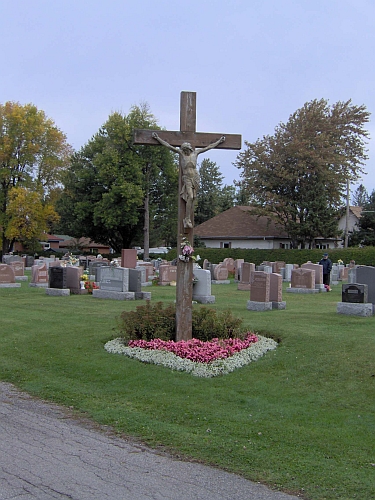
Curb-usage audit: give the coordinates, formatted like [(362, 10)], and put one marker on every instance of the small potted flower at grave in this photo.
[(84, 277)]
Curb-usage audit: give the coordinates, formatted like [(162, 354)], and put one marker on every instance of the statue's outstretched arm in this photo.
[(212, 145), (165, 143)]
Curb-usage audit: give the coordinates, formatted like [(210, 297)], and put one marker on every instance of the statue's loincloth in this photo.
[(189, 182)]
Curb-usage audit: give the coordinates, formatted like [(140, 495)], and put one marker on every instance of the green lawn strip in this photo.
[(300, 419)]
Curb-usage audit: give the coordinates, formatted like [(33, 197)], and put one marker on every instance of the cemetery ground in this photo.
[(300, 419)]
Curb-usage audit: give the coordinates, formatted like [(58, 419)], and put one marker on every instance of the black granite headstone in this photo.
[(57, 277), (355, 293)]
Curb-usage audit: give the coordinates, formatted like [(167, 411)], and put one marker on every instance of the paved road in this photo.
[(45, 453)]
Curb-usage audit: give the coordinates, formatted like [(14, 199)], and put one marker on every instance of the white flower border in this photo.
[(174, 362)]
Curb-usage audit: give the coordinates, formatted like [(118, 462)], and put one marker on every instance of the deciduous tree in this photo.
[(109, 180), (33, 154), (298, 176), (28, 216)]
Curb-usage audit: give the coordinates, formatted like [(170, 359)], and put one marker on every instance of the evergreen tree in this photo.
[(365, 235), (360, 196)]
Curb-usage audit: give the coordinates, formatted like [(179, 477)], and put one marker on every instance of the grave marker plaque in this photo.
[(355, 293)]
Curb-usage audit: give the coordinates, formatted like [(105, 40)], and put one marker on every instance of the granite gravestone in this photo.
[(57, 277), (167, 274), (276, 291), (366, 275), (129, 258), (39, 275), (202, 288), (355, 293), (245, 276), (7, 277), (260, 292), (303, 281)]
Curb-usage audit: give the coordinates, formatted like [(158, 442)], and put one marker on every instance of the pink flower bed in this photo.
[(197, 350)]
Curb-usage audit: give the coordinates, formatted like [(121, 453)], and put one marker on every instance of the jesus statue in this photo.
[(190, 176)]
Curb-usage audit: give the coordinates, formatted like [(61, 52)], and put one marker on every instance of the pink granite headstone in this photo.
[(276, 287), (7, 274), (39, 274), (129, 258), (221, 272), (167, 273), (318, 271), (18, 268), (260, 286), (303, 278)]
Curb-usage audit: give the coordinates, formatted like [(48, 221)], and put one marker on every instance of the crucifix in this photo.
[(184, 142)]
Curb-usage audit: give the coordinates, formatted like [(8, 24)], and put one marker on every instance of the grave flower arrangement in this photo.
[(187, 252), (90, 286), (73, 261), (201, 359)]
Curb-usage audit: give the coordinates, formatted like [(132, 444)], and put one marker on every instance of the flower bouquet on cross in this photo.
[(187, 251)]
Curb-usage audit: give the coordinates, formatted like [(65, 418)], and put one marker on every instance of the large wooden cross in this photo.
[(187, 133)]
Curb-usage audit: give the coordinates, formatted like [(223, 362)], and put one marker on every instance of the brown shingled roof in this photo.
[(239, 223), (356, 211)]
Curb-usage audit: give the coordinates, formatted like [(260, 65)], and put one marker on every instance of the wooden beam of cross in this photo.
[(174, 140)]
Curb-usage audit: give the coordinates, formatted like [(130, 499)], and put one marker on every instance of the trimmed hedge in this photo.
[(364, 256)]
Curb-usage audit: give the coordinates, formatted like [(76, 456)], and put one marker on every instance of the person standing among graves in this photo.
[(327, 267)]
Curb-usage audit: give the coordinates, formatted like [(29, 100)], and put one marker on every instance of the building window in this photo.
[(225, 244), (322, 246), (284, 245)]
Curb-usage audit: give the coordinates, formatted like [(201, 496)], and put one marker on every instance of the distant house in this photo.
[(63, 243), (353, 220), (239, 227), (84, 245)]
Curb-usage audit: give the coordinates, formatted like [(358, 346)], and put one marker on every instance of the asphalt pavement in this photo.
[(47, 453)]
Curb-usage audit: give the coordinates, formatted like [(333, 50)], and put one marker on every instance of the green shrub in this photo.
[(148, 322), (208, 324)]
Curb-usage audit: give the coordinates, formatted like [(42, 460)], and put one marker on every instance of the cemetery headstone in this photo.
[(220, 273), (355, 293), (95, 265), (245, 276), (260, 292), (19, 270), (366, 275), (303, 281), (73, 278), (113, 284), (39, 275), (237, 268), (167, 274), (7, 277), (202, 288), (57, 277), (276, 291), (135, 284), (318, 273), (288, 272), (355, 301), (129, 258), (229, 263)]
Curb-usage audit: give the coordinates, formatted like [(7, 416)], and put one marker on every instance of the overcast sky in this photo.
[(251, 62)]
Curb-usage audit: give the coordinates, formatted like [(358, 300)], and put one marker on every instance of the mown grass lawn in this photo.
[(301, 419)]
